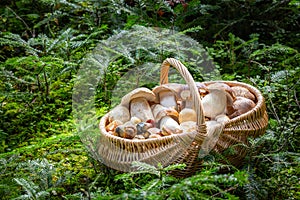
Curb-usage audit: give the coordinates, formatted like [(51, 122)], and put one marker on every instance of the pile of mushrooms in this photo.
[(168, 109)]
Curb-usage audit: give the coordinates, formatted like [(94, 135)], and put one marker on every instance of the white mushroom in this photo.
[(187, 113), (214, 103), (166, 118), (135, 120), (169, 126), (242, 105), (154, 130), (230, 97), (120, 113), (211, 123), (140, 108), (166, 96), (188, 126)]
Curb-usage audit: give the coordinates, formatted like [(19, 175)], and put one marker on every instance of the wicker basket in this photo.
[(237, 131), (119, 153)]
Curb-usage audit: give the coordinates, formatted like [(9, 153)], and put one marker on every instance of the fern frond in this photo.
[(15, 40), (145, 168), (63, 37), (29, 187), (279, 76)]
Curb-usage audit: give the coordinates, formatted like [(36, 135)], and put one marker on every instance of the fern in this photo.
[(31, 189), (206, 184), (15, 40), (42, 173)]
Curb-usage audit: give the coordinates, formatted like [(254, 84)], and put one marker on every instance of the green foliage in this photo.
[(206, 184), (35, 95), (43, 44), (32, 190), (274, 21)]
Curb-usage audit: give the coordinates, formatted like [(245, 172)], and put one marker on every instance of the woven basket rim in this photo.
[(255, 91)]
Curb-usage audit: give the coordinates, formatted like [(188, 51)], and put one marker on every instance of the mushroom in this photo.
[(135, 120), (169, 126), (187, 113), (160, 111), (166, 118), (242, 105), (222, 118), (176, 87), (242, 92), (214, 103), (230, 97), (202, 89), (120, 113), (219, 85), (188, 126), (211, 123), (166, 96), (127, 130), (142, 129), (136, 93), (113, 125), (140, 108), (154, 130)]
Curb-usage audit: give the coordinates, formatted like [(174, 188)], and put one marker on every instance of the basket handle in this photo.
[(164, 72)]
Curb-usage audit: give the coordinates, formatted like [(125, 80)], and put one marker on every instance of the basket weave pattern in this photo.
[(119, 153)]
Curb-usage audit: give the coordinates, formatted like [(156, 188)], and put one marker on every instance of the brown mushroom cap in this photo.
[(137, 93), (219, 85), (169, 126), (242, 92), (202, 88), (242, 105), (176, 87)]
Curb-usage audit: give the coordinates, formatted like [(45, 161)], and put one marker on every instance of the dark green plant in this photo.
[(274, 21), (35, 93), (205, 184), (273, 160)]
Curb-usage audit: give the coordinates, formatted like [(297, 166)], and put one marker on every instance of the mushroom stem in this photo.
[(214, 103), (140, 108), (167, 99)]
